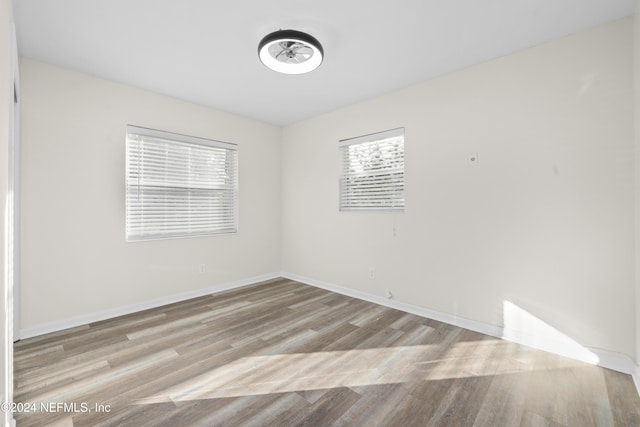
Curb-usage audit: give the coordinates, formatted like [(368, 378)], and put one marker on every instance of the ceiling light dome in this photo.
[(290, 52)]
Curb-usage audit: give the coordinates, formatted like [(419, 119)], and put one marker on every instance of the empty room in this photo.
[(409, 213)]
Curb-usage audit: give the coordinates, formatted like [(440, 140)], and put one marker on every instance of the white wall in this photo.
[(6, 99), (75, 260), (545, 221), (636, 117)]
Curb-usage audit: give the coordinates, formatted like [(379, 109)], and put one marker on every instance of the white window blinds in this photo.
[(179, 186), (372, 172)]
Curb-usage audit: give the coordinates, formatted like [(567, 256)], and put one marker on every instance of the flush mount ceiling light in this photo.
[(290, 52)]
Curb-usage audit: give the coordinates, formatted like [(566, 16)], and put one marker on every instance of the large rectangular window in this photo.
[(372, 172), (179, 186)]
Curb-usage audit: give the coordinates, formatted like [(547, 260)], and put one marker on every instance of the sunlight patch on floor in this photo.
[(283, 373)]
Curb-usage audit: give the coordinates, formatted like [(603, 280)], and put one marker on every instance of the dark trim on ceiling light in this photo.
[(290, 52)]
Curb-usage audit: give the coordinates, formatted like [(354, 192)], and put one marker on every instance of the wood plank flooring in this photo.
[(281, 353)]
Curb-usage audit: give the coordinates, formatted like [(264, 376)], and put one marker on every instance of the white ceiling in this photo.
[(205, 51)]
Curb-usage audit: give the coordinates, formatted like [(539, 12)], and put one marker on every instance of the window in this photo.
[(372, 172), (179, 186)]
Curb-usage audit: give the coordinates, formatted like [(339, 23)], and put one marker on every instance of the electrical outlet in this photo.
[(372, 273)]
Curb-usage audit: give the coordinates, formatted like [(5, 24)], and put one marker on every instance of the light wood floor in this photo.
[(281, 353)]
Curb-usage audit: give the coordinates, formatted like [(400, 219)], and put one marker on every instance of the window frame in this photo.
[(136, 232), (348, 203)]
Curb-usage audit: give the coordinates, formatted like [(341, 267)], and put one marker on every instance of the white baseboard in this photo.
[(409, 308), (636, 376), (120, 311), (606, 359)]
